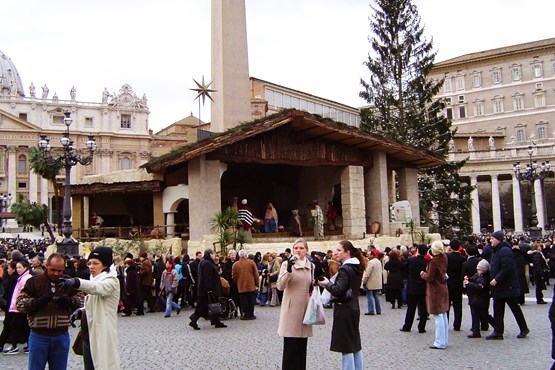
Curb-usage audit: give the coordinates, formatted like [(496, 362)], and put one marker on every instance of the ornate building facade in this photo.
[(118, 121), (501, 102)]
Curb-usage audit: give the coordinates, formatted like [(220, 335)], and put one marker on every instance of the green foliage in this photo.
[(28, 213), (403, 108), (225, 223)]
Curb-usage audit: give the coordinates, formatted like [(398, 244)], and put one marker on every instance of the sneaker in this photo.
[(12, 351), (26, 350), (523, 334)]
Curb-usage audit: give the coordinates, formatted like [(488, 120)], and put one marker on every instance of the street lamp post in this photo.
[(532, 172), (68, 159)]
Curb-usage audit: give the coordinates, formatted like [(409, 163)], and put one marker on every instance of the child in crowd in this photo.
[(477, 289)]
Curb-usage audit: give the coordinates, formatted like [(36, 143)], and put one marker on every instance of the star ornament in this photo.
[(203, 90)]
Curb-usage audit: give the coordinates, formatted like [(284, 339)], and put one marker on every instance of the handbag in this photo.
[(314, 314), (77, 346), (214, 307)]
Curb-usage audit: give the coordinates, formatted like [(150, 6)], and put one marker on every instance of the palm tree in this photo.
[(48, 172)]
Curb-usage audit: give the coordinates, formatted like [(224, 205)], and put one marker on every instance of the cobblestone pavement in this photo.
[(155, 342)]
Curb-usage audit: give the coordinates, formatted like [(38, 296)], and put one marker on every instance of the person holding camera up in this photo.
[(295, 279)]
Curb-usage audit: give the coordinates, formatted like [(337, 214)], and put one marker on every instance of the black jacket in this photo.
[(469, 266), (503, 270), (477, 290), (415, 284), (395, 277), (455, 261), (208, 279)]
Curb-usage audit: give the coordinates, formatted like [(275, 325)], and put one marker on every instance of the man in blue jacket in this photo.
[(504, 287)]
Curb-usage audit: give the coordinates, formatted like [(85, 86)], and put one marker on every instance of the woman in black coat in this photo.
[(520, 263), (394, 286), (539, 264), (133, 296), (345, 334), (209, 287), (9, 280)]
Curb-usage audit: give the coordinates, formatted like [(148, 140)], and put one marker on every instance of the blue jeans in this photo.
[(263, 296), (170, 304), (352, 361), (46, 348), (442, 330), (373, 298)]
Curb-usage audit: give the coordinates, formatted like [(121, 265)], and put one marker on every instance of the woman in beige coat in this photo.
[(295, 278), (273, 273)]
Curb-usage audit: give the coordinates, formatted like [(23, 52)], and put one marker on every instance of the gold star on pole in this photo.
[(203, 90)]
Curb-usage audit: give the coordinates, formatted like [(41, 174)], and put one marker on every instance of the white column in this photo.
[(170, 220), (517, 206), (12, 172), (86, 212), (33, 183), (495, 203), (408, 190), (352, 200), (538, 188), (376, 189), (475, 207), (44, 188)]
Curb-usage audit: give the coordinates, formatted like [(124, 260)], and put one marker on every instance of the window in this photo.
[(125, 121), (537, 70), (518, 102), (496, 76), (478, 108), (462, 111), (461, 99), (520, 135), (58, 120), (22, 164), (286, 101), (449, 113), (498, 104), (304, 104), (22, 185), (459, 81), (476, 79), (539, 100), (278, 99), (23, 116), (295, 103), (542, 132), (539, 85), (447, 84), (125, 163), (516, 74), (88, 122), (270, 97)]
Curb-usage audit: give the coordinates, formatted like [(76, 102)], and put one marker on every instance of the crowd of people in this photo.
[(41, 299)]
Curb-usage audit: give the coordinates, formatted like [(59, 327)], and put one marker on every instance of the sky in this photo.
[(159, 47)]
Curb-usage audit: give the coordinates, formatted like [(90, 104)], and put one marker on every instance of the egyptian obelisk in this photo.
[(230, 65)]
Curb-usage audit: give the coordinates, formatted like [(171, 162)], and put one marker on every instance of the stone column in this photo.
[(230, 66), (495, 203), (538, 188), (392, 187), (408, 190), (205, 197), (170, 221), (44, 190), (376, 190), (517, 206), (352, 201), (475, 207), (33, 183), (12, 172), (86, 212)]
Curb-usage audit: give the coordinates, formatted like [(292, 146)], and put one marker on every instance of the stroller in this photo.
[(229, 310)]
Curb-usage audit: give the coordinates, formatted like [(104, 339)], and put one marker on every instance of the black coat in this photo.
[(395, 277), (208, 279), (469, 266), (503, 270), (455, 261), (132, 288), (538, 265), (520, 263), (345, 334), (477, 290), (415, 284)]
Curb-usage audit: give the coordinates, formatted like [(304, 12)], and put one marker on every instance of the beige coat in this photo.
[(101, 305), (372, 277), (295, 287), (273, 268)]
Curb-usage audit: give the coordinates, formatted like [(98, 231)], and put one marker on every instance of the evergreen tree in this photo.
[(402, 107)]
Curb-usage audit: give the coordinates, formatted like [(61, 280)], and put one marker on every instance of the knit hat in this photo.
[(483, 265), (498, 235), (244, 201), (104, 254)]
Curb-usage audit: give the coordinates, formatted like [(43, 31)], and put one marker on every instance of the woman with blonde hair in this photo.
[(295, 278), (437, 296)]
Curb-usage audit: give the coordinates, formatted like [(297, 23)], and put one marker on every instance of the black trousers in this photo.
[(247, 303), (455, 300), (479, 317), (146, 293), (499, 314), (414, 301), (294, 353)]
